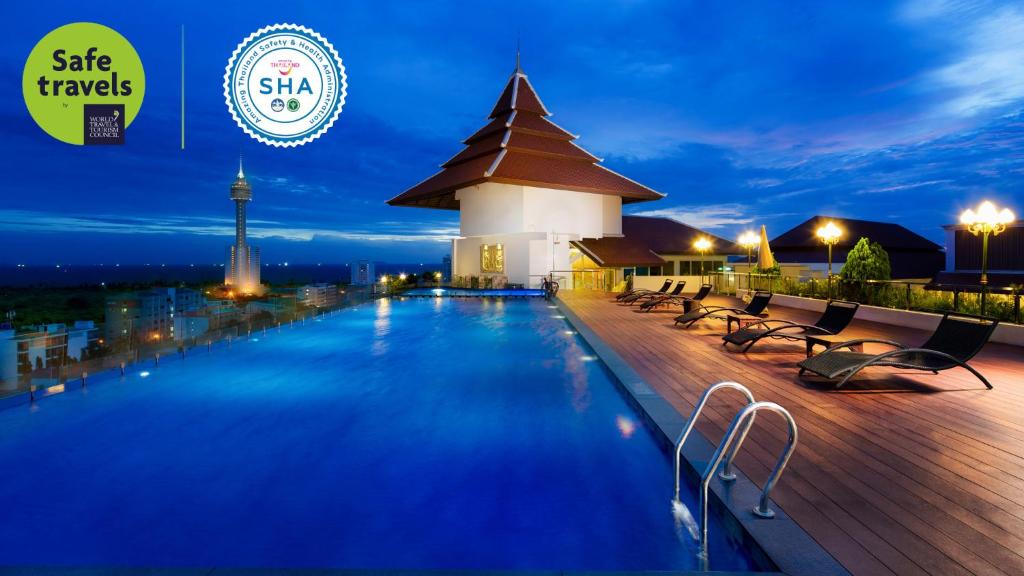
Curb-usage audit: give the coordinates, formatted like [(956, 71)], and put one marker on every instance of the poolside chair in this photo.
[(645, 293), (957, 339), (634, 291), (667, 299), (676, 292), (837, 316), (755, 307)]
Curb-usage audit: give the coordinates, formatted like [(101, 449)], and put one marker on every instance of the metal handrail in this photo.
[(747, 413), (726, 473)]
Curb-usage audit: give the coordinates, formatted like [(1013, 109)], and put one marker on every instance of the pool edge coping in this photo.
[(783, 541)]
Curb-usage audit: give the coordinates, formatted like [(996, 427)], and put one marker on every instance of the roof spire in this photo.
[(518, 69), (241, 173)]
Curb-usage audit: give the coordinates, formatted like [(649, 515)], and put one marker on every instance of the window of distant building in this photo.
[(492, 258)]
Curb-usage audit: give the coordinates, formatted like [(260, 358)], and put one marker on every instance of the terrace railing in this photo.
[(999, 302)]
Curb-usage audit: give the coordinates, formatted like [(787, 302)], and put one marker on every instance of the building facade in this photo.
[(242, 270), (44, 348), (963, 257), (650, 250), (148, 315), (524, 191), (317, 295), (911, 256), (363, 273)]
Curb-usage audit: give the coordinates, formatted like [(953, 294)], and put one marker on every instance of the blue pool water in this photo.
[(425, 433), (466, 292)]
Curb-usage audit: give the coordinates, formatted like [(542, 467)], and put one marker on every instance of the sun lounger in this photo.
[(643, 298), (667, 299), (837, 316), (755, 307), (664, 288), (956, 340)]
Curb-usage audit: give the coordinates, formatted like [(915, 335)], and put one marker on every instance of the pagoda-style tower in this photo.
[(242, 271), (524, 190)]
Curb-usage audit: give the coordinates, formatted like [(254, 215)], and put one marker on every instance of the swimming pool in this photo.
[(474, 292), (420, 433)]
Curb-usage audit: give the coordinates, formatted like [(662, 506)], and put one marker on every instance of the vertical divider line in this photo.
[(182, 86)]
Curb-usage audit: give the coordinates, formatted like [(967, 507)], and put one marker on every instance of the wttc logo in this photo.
[(285, 85)]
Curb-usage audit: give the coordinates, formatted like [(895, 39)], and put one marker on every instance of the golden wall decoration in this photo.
[(492, 258)]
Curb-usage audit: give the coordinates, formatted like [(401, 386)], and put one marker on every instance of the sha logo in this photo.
[(285, 85)]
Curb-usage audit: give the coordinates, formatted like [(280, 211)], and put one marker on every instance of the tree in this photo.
[(867, 261)]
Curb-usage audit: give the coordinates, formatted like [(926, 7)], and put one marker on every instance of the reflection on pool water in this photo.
[(424, 433)]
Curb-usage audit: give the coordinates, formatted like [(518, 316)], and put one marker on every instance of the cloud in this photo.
[(704, 217), (986, 71), (31, 221)]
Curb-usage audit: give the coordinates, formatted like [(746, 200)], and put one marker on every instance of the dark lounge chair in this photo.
[(957, 339), (837, 316), (639, 291), (646, 293), (667, 299), (676, 292), (755, 307)]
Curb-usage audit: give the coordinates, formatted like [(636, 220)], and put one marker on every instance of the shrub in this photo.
[(867, 261)]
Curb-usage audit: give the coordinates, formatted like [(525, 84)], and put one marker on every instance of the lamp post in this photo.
[(829, 235), (702, 245), (748, 240), (986, 220), (437, 278)]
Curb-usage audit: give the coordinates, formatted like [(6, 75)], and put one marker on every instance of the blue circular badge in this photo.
[(285, 85)]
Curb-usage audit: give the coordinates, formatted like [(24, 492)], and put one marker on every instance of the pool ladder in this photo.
[(727, 449)]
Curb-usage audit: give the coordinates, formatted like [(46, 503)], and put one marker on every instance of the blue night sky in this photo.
[(742, 112)]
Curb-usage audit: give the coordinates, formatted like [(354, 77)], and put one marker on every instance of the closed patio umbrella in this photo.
[(764, 252)]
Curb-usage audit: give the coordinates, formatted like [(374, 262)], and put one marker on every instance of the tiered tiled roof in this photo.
[(646, 239), (521, 146)]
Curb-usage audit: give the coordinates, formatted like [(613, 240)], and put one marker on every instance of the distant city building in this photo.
[(190, 325), (242, 270), (148, 314), (317, 295), (363, 273), (910, 254), (446, 267), (48, 346), (222, 313), (963, 257)]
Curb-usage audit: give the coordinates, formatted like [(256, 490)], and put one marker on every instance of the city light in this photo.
[(402, 276)]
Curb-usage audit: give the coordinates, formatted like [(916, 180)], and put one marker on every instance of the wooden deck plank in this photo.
[(901, 472)]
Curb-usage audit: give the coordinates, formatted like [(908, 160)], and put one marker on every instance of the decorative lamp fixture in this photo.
[(986, 220)]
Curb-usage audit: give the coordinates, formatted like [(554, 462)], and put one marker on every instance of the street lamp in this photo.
[(986, 220), (437, 277), (748, 240), (829, 235), (702, 245)]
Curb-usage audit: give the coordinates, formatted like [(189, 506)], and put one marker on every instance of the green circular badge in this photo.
[(84, 84)]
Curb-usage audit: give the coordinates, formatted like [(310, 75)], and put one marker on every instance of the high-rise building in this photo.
[(242, 270), (446, 267), (362, 273), (148, 314), (317, 295)]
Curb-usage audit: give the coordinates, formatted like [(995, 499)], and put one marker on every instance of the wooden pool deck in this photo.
[(897, 473)]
